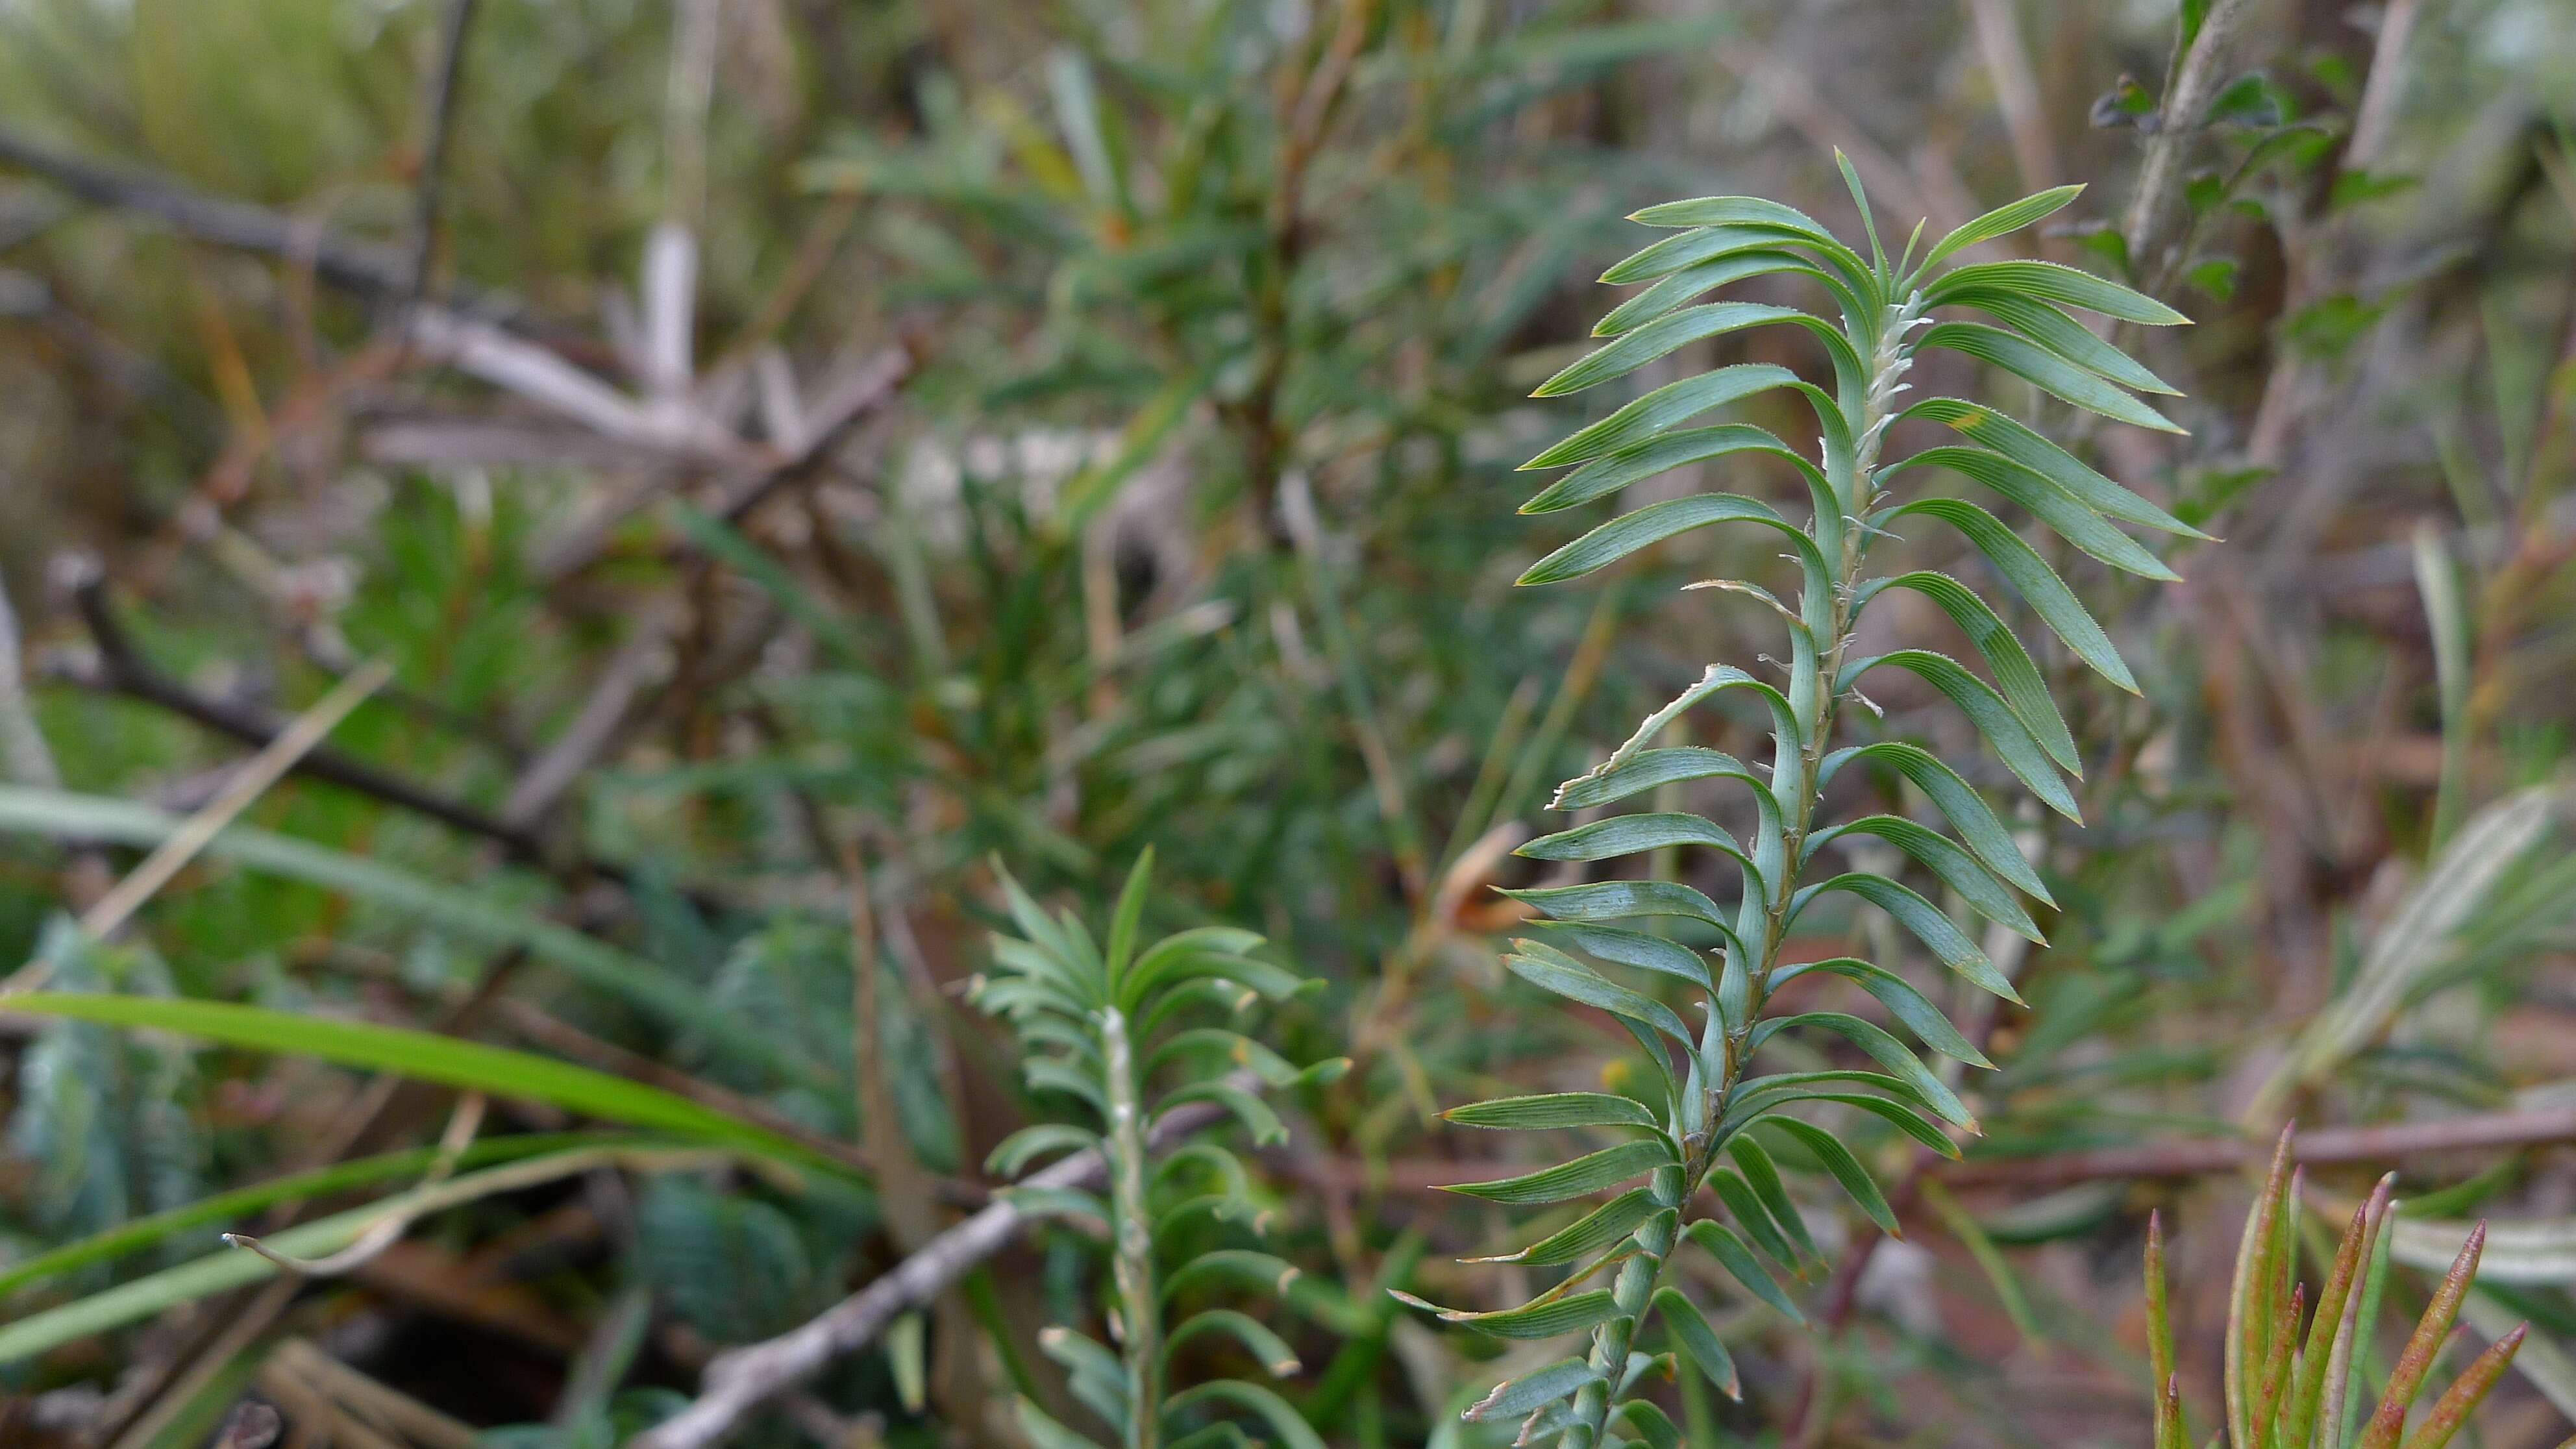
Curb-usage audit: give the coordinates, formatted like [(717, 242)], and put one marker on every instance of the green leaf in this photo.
[(1293, 1431), (1553, 1109), (1012, 1155), (1763, 1176), (1956, 868), (1729, 211), (1604, 476), (1590, 1173), (1648, 769), (1967, 811), (2017, 677), (1635, 834), (1653, 1427), (1756, 1219), (1611, 900), (1255, 1114), (1844, 1167), (1518, 1398), (1935, 930), (2032, 490), (1683, 1320), (1546, 1318), (1664, 335), (2037, 583), (1673, 253), (470, 915), (1680, 287), (1644, 528), (2012, 740), (1886, 1050), (2050, 328), (1241, 1266), (1552, 970), (2078, 481), (1663, 408), (1597, 1229), (2002, 221), (1900, 998), (1633, 948), (1129, 913), (1046, 1433), (1269, 1348), (429, 1057), (2050, 282), (1732, 1254), (2046, 371)]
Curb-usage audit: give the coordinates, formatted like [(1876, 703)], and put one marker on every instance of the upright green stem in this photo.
[(1140, 1318), (1674, 1186)]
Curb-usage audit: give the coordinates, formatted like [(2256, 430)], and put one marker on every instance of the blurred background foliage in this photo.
[(792, 452)]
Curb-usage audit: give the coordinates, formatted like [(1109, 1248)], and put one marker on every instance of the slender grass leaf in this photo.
[(231, 1268), (471, 915), (429, 1057)]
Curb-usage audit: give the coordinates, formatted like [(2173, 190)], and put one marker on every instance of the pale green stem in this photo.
[(1140, 1319), (1674, 1186)]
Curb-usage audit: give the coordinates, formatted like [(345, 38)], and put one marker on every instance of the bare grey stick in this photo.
[(741, 1380)]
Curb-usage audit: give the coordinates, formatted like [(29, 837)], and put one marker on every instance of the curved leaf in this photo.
[(1844, 1167), (1645, 528), (1732, 1254), (1966, 810), (2076, 523), (2017, 678), (2012, 740), (1690, 1329), (1902, 1001), (1595, 1230), (1590, 1173), (2052, 283), (1663, 408), (1553, 971), (1957, 869), (1936, 931), (2059, 467), (2002, 221), (2046, 371), (1662, 453), (1517, 1398), (1553, 1109)]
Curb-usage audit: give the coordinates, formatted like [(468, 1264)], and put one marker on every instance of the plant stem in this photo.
[(1139, 1315), (1674, 1186)]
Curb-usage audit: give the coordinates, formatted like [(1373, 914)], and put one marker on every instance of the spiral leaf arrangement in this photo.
[(1126, 1032), (1714, 1120), (2286, 1390)]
